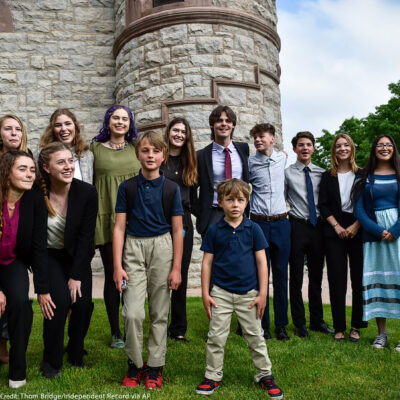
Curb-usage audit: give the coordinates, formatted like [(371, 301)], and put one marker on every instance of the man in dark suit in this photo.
[(222, 159)]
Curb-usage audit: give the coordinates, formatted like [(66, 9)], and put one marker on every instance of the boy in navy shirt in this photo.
[(234, 255), (148, 208)]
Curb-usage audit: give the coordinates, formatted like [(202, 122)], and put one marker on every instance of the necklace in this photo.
[(117, 146), (11, 208), (175, 162)]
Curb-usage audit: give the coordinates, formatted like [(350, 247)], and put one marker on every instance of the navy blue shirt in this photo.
[(234, 265), (147, 218)]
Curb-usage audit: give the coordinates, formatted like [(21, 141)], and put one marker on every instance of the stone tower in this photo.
[(183, 57)]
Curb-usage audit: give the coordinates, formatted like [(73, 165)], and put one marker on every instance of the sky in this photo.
[(337, 59)]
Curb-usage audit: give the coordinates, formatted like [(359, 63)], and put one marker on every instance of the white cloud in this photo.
[(337, 58)]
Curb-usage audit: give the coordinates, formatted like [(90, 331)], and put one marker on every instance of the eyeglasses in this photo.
[(383, 145)]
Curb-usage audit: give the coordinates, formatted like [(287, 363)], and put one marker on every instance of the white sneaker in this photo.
[(397, 348), (380, 340), (16, 384)]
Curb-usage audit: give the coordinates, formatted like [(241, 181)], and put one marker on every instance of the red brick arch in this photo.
[(6, 23)]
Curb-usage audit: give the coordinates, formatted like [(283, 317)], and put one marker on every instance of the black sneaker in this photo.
[(207, 387), (268, 384)]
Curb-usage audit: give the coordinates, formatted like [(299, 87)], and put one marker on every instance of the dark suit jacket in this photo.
[(202, 201), (329, 202), (32, 237), (80, 225)]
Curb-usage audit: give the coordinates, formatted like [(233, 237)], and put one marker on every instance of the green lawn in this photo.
[(318, 368)]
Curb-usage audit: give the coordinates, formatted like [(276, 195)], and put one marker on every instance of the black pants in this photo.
[(306, 241), (338, 251), (81, 311), (14, 283), (178, 324), (112, 297)]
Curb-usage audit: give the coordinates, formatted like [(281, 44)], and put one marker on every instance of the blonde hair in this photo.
[(48, 136), (154, 138), (334, 161), (233, 187), (44, 159), (24, 140)]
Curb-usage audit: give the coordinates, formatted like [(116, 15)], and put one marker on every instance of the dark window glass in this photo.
[(157, 3)]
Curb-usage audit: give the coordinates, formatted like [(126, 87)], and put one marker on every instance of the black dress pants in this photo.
[(81, 311), (338, 253), (178, 325), (306, 241), (14, 283), (112, 297)]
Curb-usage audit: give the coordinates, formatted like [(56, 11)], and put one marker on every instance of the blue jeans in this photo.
[(277, 234)]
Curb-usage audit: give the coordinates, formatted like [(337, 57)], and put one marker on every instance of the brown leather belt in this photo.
[(268, 218)]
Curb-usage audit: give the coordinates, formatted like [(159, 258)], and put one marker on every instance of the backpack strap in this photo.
[(168, 194), (131, 189)]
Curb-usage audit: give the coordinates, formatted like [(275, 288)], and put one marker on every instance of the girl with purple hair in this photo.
[(114, 161)]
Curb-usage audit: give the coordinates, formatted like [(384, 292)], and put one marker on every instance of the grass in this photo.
[(318, 368)]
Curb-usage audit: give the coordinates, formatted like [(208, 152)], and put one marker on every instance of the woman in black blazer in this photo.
[(342, 236), (72, 211), (22, 244)]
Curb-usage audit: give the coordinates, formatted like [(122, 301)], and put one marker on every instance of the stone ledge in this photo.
[(196, 15)]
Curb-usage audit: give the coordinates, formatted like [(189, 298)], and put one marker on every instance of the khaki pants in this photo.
[(148, 262), (219, 330)]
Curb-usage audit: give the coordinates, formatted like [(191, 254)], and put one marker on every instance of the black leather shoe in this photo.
[(239, 331), (302, 332), (267, 335), (323, 327), (48, 371), (281, 334)]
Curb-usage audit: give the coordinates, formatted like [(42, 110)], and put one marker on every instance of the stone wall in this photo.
[(59, 55)]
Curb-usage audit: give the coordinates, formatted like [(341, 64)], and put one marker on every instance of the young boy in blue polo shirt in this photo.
[(234, 256), (148, 208)]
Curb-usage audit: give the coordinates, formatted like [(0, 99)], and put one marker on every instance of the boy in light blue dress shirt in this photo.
[(268, 210)]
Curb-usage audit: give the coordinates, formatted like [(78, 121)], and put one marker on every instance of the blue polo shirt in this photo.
[(147, 218), (234, 266)]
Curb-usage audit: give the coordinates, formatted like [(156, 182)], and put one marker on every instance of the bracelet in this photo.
[(334, 225)]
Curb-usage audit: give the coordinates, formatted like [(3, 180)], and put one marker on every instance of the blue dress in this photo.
[(381, 273)]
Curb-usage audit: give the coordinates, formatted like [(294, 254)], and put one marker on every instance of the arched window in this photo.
[(6, 24)]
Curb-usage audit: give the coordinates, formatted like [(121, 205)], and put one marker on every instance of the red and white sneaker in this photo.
[(153, 378), (268, 384), (134, 375), (207, 387)]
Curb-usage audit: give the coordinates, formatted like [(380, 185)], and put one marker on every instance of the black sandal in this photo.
[(339, 339), (179, 338), (352, 338)]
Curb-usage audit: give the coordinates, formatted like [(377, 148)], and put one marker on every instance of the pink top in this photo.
[(8, 241)]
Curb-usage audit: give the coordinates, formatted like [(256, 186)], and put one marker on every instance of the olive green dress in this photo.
[(111, 167)]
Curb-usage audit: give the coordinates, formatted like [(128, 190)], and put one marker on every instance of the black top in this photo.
[(173, 170)]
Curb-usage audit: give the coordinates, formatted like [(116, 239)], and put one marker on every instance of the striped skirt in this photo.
[(381, 273)]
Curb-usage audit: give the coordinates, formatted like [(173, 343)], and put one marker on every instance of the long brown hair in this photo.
[(24, 140), (44, 159), (334, 161), (48, 136), (7, 161), (188, 153)]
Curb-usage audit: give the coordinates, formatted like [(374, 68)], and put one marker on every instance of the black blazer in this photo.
[(32, 237), (202, 201), (80, 225), (330, 203)]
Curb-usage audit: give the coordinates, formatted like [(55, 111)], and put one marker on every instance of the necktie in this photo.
[(310, 198), (228, 164)]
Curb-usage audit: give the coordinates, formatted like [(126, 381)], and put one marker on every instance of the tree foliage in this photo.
[(385, 120)]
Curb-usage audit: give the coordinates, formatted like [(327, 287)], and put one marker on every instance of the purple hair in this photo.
[(104, 133)]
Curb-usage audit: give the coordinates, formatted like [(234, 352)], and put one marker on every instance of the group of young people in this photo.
[(132, 196)]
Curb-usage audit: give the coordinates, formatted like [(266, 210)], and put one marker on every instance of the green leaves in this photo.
[(385, 120)]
